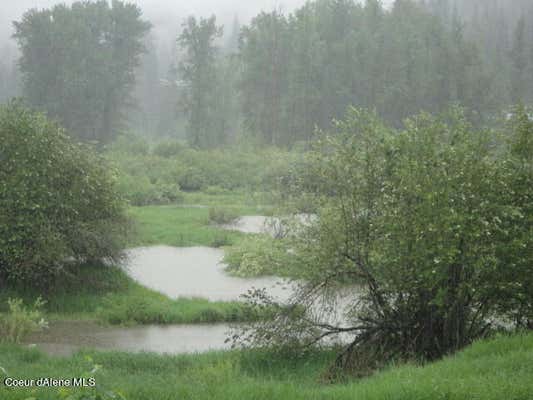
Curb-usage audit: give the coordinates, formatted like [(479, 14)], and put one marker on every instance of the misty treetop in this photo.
[(305, 69), (278, 77), (295, 72), (78, 63)]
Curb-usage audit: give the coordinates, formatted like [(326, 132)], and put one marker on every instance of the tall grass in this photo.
[(495, 369)]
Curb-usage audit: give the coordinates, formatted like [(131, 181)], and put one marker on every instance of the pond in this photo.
[(272, 226), (195, 272), (64, 338), (178, 273), (253, 224), (175, 272)]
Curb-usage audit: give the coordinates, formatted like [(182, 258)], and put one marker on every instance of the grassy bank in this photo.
[(109, 295), (184, 226), (177, 226), (496, 369)]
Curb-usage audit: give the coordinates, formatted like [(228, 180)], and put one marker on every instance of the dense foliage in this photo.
[(58, 201), (278, 77), (160, 173), (503, 33), (202, 101), (78, 63), (428, 230), (303, 69)]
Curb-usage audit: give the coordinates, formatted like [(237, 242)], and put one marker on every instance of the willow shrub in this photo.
[(429, 226), (58, 201)]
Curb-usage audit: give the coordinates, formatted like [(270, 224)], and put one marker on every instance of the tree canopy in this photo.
[(78, 63)]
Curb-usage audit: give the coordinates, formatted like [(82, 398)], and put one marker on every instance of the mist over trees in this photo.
[(392, 145), (276, 78), (78, 63)]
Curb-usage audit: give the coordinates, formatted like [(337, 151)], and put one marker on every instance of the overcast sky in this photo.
[(165, 15), (158, 11)]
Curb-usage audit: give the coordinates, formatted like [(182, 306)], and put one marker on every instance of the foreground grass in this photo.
[(109, 295), (496, 369)]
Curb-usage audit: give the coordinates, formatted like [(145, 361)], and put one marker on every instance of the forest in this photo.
[(324, 199)]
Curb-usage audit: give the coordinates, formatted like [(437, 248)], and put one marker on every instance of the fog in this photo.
[(159, 12), (329, 188), (162, 13)]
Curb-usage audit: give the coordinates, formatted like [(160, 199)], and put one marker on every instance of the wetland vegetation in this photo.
[(331, 202)]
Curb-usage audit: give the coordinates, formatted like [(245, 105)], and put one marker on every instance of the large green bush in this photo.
[(429, 226), (58, 201)]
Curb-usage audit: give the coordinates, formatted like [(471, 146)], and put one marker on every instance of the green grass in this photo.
[(181, 226), (109, 295), (495, 369), (188, 224)]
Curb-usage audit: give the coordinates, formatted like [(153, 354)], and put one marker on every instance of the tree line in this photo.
[(281, 76)]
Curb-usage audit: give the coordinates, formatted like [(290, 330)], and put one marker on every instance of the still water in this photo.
[(66, 337), (175, 272), (194, 272)]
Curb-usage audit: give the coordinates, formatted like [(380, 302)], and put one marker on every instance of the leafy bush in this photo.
[(192, 179), (213, 171), (434, 222), (222, 215), (169, 149), (141, 192), (258, 255), (20, 321), (58, 200)]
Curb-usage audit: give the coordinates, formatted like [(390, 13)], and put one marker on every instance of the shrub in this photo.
[(257, 255), (191, 179), (168, 149), (58, 200), (222, 215), (20, 321), (432, 222), (215, 171), (139, 191)]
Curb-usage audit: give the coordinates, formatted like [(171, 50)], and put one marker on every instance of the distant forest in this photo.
[(278, 78)]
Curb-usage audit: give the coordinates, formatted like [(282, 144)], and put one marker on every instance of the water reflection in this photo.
[(66, 337)]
